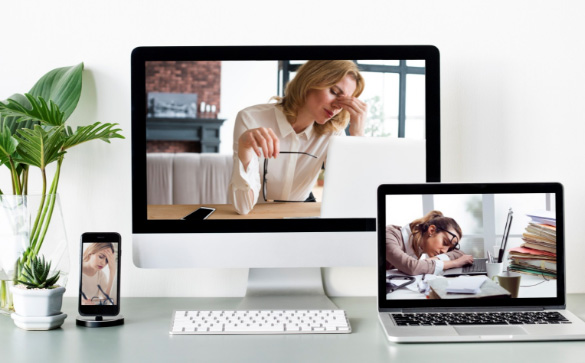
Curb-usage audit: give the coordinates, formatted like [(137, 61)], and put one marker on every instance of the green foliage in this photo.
[(7, 145), (38, 147), (376, 118), (97, 131), (62, 86), (39, 110), (35, 275), (33, 133)]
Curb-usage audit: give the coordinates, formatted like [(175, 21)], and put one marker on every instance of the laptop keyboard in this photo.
[(477, 266), (483, 318)]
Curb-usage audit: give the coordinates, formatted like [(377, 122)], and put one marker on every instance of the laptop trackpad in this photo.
[(490, 330)]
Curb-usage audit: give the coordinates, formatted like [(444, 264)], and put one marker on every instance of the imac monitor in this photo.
[(203, 193)]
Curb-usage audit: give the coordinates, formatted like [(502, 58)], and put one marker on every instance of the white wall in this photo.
[(512, 96)]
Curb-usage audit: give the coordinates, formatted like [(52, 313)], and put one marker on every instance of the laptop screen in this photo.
[(443, 245)]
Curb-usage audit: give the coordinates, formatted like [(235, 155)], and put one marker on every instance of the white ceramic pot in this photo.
[(37, 302)]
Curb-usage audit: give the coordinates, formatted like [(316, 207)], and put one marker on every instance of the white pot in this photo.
[(37, 302)]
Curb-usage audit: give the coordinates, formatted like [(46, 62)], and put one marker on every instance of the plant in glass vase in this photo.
[(33, 133)]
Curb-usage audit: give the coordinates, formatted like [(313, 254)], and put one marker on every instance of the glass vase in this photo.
[(30, 225)]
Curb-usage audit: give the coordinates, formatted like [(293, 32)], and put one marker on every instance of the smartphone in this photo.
[(200, 214), (99, 284)]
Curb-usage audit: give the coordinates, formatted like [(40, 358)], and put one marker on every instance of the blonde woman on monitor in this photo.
[(95, 284), (318, 103), (428, 245)]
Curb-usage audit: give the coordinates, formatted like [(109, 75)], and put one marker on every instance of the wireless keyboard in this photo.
[(259, 322)]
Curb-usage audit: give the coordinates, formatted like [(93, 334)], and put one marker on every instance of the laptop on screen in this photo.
[(426, 229), (349, 181)]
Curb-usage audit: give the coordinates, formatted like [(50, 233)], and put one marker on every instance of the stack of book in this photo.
[(538, 253)]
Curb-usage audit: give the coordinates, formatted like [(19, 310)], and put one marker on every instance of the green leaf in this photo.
[(38, 147), (62, 86), (95, 131), (27, 284), (39, 110), (35, 274), (12, 122), (7, 145), (53, 280)]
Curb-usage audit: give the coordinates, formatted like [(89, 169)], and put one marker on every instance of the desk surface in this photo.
[(145, 338), (227, 211)]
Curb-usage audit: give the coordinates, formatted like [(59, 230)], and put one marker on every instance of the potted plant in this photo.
[(321, 178), (37, 298), (33, 133)]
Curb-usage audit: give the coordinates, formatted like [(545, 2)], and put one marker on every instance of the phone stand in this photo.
[(99, 321)]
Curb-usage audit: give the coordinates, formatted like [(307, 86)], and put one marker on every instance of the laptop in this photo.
[(479, 267), (349, 181), (430, 307)]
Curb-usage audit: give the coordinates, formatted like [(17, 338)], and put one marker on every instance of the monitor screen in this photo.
[(470, 245), (236, 139)]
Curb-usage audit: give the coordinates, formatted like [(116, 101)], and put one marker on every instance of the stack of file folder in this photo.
[(538, 253)]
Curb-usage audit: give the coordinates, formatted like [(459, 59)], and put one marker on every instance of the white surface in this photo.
[(356, 166), (145, 338), (209, 250), (511, 104)]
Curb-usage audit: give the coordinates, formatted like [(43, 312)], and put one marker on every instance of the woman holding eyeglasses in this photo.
[(294, 132), (428, 245), (95, 284)]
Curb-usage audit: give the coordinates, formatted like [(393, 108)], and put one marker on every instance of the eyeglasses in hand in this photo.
[(102, 301), (265, 180)]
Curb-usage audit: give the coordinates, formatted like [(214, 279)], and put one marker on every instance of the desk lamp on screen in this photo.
[(204, 195)]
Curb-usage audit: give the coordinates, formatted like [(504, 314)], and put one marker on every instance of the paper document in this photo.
[(465, 285), (544, 217)]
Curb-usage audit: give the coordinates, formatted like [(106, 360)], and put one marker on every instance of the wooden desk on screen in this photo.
[(226, 211)]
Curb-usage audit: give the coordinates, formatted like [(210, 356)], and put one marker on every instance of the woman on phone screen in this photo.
[(96, 284)]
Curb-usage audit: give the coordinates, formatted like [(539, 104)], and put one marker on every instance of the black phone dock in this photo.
[(99, 321)]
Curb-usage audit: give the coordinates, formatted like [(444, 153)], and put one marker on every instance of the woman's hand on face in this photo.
[(111, 262), (261, 141), (357, 114)]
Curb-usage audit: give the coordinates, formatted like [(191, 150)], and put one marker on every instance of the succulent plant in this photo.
[(36, 275)]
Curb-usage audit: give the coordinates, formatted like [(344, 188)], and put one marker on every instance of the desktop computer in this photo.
[(200, 200)]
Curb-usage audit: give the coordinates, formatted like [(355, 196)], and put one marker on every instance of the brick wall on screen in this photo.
[(202, 78)]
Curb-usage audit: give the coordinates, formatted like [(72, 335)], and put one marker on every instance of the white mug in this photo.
[(493, 269)]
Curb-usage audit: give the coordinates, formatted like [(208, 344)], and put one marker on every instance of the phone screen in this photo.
[(100, 274), (200, 214)]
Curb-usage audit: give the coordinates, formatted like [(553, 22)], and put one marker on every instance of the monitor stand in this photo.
[(285, 289)]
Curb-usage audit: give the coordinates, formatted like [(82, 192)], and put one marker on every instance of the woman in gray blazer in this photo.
[(428, 245)]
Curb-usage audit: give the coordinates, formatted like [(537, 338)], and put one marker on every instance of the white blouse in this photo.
[(290, 177), (89, 284)]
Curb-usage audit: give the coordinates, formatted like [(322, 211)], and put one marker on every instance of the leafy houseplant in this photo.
[(33, 134), (36, 276), (39, 296)]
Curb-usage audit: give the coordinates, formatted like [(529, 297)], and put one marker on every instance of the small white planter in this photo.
[(37, 302)]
